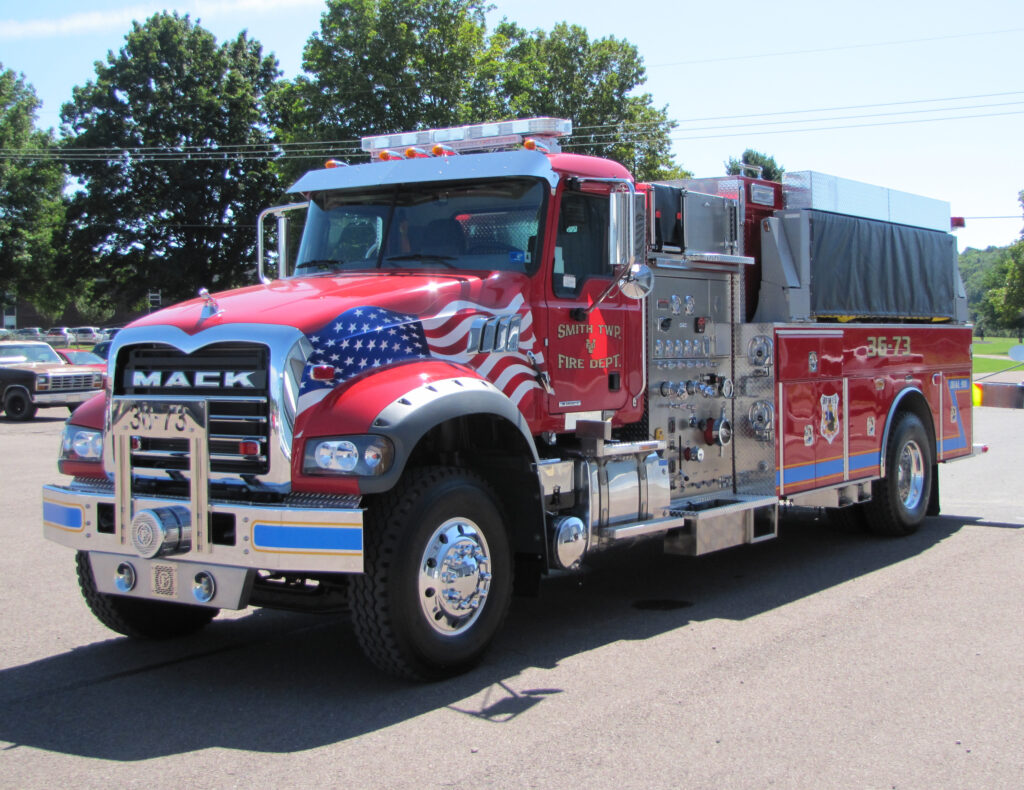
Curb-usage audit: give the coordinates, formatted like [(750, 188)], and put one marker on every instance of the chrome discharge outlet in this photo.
[(160, 531)]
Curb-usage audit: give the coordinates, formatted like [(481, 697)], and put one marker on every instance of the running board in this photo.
[(699, 526)]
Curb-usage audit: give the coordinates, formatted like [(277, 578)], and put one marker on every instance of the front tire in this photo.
[(18, 406), (438, 575), (139, 618), (899, 501)]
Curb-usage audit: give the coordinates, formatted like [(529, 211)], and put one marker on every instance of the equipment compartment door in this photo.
[(813, 410)]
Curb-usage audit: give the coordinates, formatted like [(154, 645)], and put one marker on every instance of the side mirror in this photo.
[(639, 283), (282, 239), (627, 229)]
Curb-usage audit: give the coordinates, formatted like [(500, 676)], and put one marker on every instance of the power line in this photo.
[(618, 134), (821, 50)]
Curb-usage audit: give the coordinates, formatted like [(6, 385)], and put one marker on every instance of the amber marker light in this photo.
[(533, 145)]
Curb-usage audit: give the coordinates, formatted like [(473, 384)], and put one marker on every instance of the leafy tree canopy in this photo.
[(994, 281), (158, 146), (31, 206), (770, 170), (593, 82), (379, 66)]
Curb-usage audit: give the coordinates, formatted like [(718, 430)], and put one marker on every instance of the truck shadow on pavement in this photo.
[(278, 682)]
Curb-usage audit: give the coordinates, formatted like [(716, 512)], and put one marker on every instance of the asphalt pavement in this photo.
[(822, 659)]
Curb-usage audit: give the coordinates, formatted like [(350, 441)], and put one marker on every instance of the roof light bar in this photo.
[(476, 137)]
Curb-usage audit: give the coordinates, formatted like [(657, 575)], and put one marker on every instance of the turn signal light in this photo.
[(249, 447)]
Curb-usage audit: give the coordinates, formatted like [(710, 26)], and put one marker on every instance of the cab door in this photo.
[(595, 345)]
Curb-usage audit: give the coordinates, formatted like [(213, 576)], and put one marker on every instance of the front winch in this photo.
[(161, 531)]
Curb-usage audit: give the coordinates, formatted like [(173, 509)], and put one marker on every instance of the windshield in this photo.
[(15, 353), (488, 225)]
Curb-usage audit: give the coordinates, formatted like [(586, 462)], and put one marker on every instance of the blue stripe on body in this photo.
[(294, 538), (62, 515)]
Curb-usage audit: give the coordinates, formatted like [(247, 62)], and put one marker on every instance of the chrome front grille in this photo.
[(238, 431), (64, 382), (238, 418)]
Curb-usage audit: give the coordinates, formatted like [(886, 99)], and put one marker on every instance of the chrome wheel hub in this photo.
[(454, 576), (910, 475)]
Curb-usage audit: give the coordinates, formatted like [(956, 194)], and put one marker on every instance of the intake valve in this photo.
[(717, 431)]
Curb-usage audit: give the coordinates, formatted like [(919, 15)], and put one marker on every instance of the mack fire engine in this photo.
[(487, 359)]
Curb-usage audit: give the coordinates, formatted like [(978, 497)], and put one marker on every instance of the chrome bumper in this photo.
[(62, 398), (303, 537)]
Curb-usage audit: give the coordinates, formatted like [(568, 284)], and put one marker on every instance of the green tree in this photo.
[(31, 203), (379, 66), (593, 82), (770, 170), (1013, 296), (982, 272), (168, 146)]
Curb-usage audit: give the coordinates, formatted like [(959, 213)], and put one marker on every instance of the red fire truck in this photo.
[(487, 359)]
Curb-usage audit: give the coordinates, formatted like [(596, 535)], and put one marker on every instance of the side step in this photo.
[(699, 526)]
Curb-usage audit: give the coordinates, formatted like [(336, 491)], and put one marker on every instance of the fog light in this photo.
[(125, 578), (204, 587)]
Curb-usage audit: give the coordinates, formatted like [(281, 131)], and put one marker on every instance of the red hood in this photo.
[(309, 303)]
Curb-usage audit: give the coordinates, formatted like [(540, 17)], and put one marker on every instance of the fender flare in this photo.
[(11, 388), (407, 419), (913, 393)]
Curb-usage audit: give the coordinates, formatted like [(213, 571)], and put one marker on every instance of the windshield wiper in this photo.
[(419, 256), (322, 265)]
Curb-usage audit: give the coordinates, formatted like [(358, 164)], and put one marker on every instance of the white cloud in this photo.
[(120, 18)]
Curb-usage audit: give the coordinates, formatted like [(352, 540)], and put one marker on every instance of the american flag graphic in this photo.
[(367, 337)]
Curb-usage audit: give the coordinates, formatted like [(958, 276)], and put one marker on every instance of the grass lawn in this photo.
[(994, 345), (982, 366)]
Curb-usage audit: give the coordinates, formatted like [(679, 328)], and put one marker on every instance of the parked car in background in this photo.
[(86, 335), (58, 336), (108, 332), (82, 358), (29, 333), (33, 376)]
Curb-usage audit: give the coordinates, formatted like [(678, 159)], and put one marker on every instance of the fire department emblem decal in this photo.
[(830, 417)]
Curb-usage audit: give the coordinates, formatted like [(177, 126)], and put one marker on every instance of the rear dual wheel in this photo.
[(899, 501)]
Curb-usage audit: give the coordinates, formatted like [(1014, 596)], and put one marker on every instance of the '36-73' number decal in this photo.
[(883, 346)]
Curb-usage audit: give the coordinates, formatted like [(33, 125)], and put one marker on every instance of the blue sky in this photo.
[(924, 97)]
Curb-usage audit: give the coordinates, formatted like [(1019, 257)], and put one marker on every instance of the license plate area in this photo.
[(164, 580), (158, 419)]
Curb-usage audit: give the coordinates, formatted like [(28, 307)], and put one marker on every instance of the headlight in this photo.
[(81, 444), (348, 455), (42, 382)]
